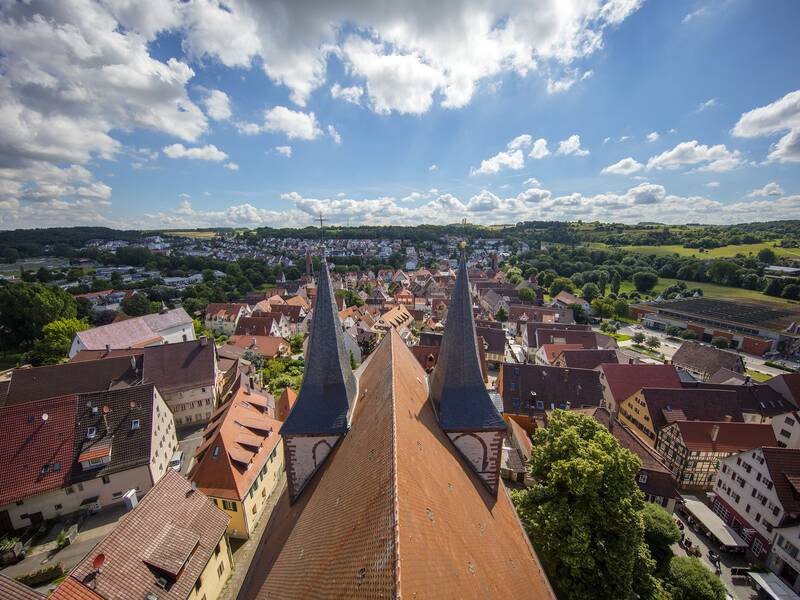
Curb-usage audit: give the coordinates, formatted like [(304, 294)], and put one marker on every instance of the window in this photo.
[(642, 477), (91, 432), (216, 550), (56, 467), (215, 452), (95, 462), (789, 421), (757, 547), (221, 568), (747, 508), (106, 479), (198, 584), (57, 507), (69, 490), (116, 495), (785, 433), (45, 469), (135, 424), (229, 505)]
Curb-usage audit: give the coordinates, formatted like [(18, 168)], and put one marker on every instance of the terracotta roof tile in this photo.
[(730, 437), (783, 464), (13, 590), (706, 359), (624, 380), (696, 405)]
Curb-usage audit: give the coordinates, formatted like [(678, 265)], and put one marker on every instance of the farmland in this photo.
[(722, 252), (711, 290)]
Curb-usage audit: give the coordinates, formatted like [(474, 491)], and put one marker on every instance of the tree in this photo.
[(638, 338), (660, 532), (43, 274), (616, 282), (137, 305), (774, 287), (583, 511), (720, 342), (602, 307), (526, 294), (561, 284), (353, 361), (652, 342), (791, 292), (688, 334), (56, 341), (590, 291), (621, 308), (501, 314), (602, 282), (116, 280), (644, 281), (10, 255), (724, 272), (296, 343), (766, 256), (25, 308), (689, 579)]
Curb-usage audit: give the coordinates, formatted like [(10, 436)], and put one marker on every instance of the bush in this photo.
[(720, 342), (660, 532), (689, 579), (688, 334), (41, 576)]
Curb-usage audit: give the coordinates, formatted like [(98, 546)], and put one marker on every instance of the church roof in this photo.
[(395, 511), (457, 386), (329, 387)]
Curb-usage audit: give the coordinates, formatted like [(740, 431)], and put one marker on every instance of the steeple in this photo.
[(309, 263), (465, 410), (323, 408)]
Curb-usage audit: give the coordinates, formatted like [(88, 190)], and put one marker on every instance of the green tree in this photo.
[(559, 285), (353, 361), (644, 281), (688, 334), (501, 314), (766, 256), (660, 532), (638, 338), (296, 343), (791, 292), (43, 275), (116, 280), (25, 308), (774, 287), (616, 282), (526, 294), (590, 291), (652, 342), (55, 342), (602, 307), (10, 255), (137, 305), (583, 511), (602, 282), (689, 579), (720, 342), (724, 272), (621, 308)]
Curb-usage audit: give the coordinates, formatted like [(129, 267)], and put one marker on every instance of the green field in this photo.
[(711, 290), (200, 235), (723, 252)]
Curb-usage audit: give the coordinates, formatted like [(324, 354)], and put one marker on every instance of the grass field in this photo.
[(711, 290), (723, 252), (198, 235)]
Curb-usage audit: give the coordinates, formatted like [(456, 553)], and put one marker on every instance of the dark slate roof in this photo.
[(329, 386), (754, 398), (457, 386), (555, 387), (185, 365), (129, 447), (706, 359)]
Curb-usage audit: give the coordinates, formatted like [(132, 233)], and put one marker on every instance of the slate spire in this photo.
[(457, 385), (329, 387)]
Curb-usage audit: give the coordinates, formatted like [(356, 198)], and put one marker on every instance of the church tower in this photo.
[(465, 410), (323, 409)]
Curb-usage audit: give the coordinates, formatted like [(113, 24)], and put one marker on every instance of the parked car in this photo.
[(176, 462)]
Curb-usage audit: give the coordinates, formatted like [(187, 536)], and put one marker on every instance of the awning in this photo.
[(773, 586), (711, 521)]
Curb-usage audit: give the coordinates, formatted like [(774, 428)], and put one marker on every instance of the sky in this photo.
[(235, 113)]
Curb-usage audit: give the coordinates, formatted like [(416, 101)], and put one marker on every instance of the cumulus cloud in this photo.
[(519, 142), (231, 166), (572, 145), (218, 105), (350, 94), (771, 189), (653, 136), (295, 124), (512, 159), (565, 83), (539, 149), (712, 184), (711, 158), (284, 150), (207, 152), (335, 136), (626, 166), (777, 117), (531, 181)]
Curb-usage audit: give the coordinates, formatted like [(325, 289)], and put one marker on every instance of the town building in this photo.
[(621, 381), (693, 449), (79, 452), (787, 429), (222, 318), (240, 459), (581, 358), (171, 546), (166, 327), (704, 361), (527, 389)]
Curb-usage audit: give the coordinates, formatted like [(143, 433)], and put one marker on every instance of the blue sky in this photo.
[(251, 114)]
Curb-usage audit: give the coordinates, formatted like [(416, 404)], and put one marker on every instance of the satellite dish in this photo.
[(106, 410), (45, 416), (99, 561)]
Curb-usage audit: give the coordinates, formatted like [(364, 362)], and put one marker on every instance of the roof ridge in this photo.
[(394, 338)]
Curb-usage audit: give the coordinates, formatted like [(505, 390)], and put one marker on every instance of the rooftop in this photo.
[(745, 312)]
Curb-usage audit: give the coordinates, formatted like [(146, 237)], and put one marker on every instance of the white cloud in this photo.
[(218, 105), (539, 149), (433, 167), (295, 124), (565, 83), (405, 52), (531, 181), (207, 152), (626, 166), (350, 94), (335, 136), (284, 150), (520, 142), (231, 166), (694, 14), (606, 140), (712, 184), (653, 136), (710, 103), (779, 116), (771, 189), (716, 158), (512, 159), (624, 138), (572, 145)]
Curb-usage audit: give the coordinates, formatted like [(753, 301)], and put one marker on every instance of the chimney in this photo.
[(108, 348), (714, 432), (203, 340)]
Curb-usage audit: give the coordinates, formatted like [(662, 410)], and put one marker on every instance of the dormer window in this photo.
[(91, 433), (135, 424), (215, 452)]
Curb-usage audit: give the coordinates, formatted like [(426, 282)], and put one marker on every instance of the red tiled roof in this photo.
[(13, 590), (71, 589), (588, 358), (552, 351), (696, 405), (784, 465), (395, 511), (149, 531), (28, 443), (265, 345), (625, 380), (731, 437)]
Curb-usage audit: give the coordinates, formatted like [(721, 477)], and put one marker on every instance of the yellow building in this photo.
[(240, 460)]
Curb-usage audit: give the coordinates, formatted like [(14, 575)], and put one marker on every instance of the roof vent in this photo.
[(161, 582), (91, 432)]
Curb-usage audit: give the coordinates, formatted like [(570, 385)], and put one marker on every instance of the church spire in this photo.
[(323, 408), (465, 410), (309, 262)]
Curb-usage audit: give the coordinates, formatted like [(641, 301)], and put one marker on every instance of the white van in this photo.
[(176, 462)]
